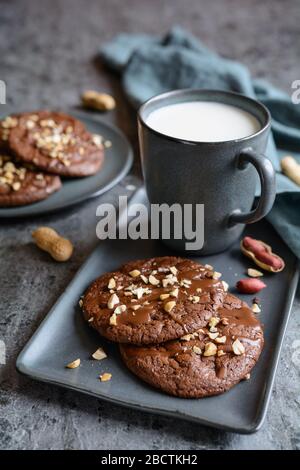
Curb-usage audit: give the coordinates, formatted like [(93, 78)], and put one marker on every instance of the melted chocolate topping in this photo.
[(239, 316), (196, 285)]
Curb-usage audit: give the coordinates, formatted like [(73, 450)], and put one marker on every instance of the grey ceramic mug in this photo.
[(222, 175)]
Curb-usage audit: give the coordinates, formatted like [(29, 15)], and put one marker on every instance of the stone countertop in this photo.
[(48, 56)]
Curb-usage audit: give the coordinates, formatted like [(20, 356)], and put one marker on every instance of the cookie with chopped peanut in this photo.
[(153, 300), (57, 143), (6, 125), (20, 185), (207, 362)]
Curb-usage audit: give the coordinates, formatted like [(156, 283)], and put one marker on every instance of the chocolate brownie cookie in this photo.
[(20, 185), (207, 362), (57, 143), (154, 300)]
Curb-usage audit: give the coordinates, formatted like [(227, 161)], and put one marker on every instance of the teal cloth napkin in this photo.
[(150, 65)]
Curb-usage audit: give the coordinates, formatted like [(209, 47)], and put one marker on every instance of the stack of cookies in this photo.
[(36, 149), (179, 329)]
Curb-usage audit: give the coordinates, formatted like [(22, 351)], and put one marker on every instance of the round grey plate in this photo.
[(117, 162)]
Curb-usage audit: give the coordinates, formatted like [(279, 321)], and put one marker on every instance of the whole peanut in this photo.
[(47, 239), (250, 286), (291, 168), (262, 254), (95, 100)]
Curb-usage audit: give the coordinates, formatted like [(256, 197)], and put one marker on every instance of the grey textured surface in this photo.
[(46, 56)]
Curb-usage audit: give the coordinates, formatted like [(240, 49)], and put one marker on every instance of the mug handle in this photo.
[(266, 174)]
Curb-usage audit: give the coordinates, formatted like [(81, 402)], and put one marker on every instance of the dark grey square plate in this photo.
[(63, 336), (117, 162)]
